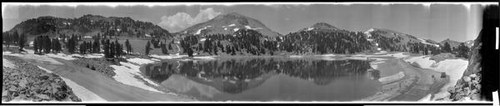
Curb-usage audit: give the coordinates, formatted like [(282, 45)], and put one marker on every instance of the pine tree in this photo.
[(128, 46), (22, 40), (447, 48), (148, 47), (106, 48)]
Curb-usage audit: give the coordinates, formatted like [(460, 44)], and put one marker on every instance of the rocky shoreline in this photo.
[(27, 82)]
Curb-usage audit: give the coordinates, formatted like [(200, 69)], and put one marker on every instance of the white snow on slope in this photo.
[(248, 27), (125, 74), (422, 61), (7, 63), (236, 29), (30, 55), (308, 29), (427, 43), (199, 30), (368, 32), (232, 25)]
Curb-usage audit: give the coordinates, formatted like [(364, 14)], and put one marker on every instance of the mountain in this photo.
[(228, 24), (324, 38), (89, 25), (390, 40)]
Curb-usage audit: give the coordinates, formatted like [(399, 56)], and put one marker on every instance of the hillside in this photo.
[(389, 40), (228, 24), (324, 38), (89, 25)]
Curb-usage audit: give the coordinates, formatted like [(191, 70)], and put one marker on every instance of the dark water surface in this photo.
[(265, 79)]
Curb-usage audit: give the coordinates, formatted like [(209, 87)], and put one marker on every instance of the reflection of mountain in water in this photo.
[(236, 75)]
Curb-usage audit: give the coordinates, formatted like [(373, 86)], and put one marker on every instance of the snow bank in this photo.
[(392, 78), (205, 57), (44, 69), (423, 61), (32, 56), (7, 63), (374, 64), (167, 56), (125, 74), (381, 52), (140, 61)]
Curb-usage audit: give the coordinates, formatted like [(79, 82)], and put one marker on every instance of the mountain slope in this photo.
[(89, 25), (390, 40), (324, 38), (228, 24)]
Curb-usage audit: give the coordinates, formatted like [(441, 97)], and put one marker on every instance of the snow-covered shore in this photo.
[(452, 67)]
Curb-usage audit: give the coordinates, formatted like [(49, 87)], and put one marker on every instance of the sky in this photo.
[(430, 21)]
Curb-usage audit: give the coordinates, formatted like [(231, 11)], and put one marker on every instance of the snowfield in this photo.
[(126, 74), (205, 57)]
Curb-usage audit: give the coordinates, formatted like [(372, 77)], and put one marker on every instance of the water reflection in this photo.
[(234, 76)]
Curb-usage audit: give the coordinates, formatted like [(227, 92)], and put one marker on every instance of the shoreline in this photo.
[(416, 84)]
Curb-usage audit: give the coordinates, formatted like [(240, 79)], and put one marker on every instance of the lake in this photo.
[(266, 79)]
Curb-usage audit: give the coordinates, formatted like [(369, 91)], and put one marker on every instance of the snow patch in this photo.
[(308, 29), (167, 56), (236, 29), (32, 56), (203, 39), (392, 78), (367, 33), (427, 43), (125, 74), (44, 69), (205, 57), (199, 30), (232, 25), (140, 61), (296, 56), (7, 63)]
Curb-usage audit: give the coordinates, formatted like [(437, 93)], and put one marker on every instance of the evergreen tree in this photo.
[(36, 45), (447, 47), (164, 48), (21, 42), (463, 51), (106, 48), (148, 47), (128, 46)]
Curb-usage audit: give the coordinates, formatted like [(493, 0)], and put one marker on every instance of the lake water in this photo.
[(265, 79)]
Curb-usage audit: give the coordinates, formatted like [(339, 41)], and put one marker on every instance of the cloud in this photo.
[(182, 20)]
